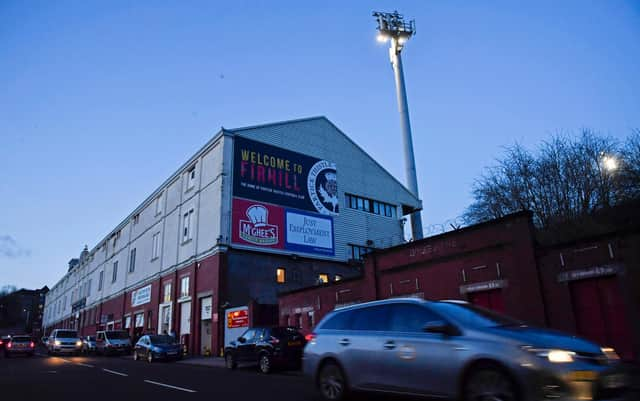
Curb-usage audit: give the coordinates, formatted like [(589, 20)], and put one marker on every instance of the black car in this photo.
[(267, 347), (151, 347)]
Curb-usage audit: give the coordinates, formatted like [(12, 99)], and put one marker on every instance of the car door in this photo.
[(360, 348), (417, 361), (244, 346)]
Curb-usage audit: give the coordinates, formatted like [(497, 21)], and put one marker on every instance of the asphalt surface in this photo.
[(121, 378)]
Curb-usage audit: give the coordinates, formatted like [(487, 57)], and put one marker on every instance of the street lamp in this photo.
[(610, 163), (393, 28)]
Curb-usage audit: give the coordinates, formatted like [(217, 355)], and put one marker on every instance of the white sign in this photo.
[(205, 312), (141, 296), (308, 231)]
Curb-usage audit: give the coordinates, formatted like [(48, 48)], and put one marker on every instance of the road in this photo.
[(122, 378)]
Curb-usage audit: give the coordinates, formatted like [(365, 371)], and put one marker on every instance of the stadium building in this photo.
[(257, 211)]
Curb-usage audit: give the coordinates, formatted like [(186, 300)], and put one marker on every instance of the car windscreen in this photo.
[(67, 334), (117, 335), (21, 339), (474, 315), (90, 338), (161, 339)]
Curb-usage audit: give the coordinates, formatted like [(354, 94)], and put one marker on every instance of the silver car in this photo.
[(454, 350), (64, 341)]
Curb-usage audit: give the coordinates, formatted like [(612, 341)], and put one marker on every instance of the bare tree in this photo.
[(566, 177), (7, 289)]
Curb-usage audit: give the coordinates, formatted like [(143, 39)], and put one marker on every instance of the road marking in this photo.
[(114, 372), (170, 386), (85, 364), (51, 371)]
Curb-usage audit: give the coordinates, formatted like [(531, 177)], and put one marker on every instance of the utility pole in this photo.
[(393, 28)]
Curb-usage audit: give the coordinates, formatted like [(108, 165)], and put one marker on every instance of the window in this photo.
[(358, 252), (167, 293), (280, 275), (101, 280), (136, 219), (139, 320), (132, 261), (149, 319), (323, 278), (114, 277), (155, 246), (191, 177), (184, 287), (89, 288), (159, 204), (410, 318), (127, 322), (370, 206), (339, 321), (187, 230), (374, 318)]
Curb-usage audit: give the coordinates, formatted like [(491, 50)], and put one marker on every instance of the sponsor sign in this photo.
[(595, 271), (274, 175), (258, 224), (141, 296), (268, 226), (238, 318), (306, 232)]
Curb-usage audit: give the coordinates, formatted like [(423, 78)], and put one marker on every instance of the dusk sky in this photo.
[(101, 101)]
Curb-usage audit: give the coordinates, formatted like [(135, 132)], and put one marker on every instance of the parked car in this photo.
[(455, 350), (88, 344), (152, 347), (267, 347), (113, 342), (19, 345), (64, 341), (3, 341)]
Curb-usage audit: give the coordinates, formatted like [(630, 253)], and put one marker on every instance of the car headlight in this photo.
[(553, 355), (57, 342), (78, 343)]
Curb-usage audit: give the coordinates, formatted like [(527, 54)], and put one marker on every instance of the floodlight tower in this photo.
[(392, 27)]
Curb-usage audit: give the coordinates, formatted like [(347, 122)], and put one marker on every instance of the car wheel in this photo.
[(230, 361), (150, 357), (264, 364), (489, 384), (332, 382)]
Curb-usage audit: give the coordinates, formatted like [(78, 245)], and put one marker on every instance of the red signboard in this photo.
[(239, 318), (257, 224)]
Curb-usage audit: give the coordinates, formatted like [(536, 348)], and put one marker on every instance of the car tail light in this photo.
[(310, 337), (274, 340), (1, 342), (31, 344), (8, 345)]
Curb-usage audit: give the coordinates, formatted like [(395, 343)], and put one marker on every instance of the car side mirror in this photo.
[(438, 326), (242, 340)]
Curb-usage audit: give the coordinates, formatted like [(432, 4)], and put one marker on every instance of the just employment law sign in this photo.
[(310, 233)]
